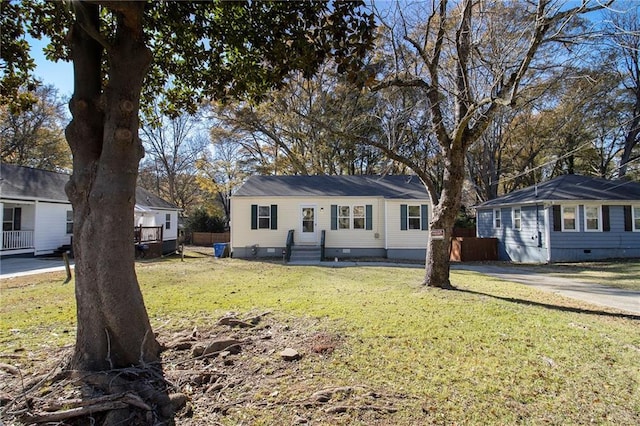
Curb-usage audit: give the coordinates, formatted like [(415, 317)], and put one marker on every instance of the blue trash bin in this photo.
[(219, 249)]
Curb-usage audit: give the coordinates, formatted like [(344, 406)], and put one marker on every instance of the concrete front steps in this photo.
[(305, 255)]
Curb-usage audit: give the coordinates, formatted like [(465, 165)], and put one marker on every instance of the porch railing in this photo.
[(146, 234), (13, 240), (289, 243)]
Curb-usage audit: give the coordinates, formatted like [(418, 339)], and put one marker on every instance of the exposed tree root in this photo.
[(244, 372)]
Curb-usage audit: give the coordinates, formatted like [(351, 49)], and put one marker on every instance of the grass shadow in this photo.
[(553, 307)]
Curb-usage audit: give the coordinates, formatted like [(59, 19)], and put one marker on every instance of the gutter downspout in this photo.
[(547, 231)]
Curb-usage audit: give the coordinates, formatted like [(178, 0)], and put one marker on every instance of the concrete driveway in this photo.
[(19, 266), (611, 297)]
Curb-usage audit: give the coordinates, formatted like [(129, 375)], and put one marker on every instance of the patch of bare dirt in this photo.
[(241, 370)]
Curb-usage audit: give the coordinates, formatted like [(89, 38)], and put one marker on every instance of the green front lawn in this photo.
[(491, 353)]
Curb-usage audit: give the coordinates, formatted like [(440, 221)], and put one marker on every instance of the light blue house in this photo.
[(569, 218)]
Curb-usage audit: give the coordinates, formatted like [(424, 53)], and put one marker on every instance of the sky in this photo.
[(58, 74)]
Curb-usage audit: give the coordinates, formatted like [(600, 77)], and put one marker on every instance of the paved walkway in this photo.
[(19, 266), (623, 300)]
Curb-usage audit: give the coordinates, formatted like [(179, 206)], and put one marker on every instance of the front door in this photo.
[(308, 224)]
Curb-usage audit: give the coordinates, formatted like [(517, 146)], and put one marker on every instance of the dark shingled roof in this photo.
[(33, 184), (145, 198), (572, 188), (398, 187), (26, 183)]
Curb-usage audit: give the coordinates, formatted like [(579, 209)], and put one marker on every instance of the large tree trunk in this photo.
[(631, 138), (113, 326), (444, 217)]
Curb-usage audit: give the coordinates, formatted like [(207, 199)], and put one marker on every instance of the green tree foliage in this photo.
[(15, 62), (33, 136), (201, 221), (182, 53)]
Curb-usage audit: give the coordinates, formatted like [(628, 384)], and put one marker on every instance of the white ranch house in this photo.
[(37, 216), (314, 217)]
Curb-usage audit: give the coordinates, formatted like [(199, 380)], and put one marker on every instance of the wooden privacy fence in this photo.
[(470, 249), (208, 238)]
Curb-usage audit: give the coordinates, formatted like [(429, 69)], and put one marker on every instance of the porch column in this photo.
[(2, 221)]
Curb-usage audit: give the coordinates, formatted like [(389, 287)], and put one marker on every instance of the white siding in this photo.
[(355, 238), (289, 217), (50, 227), (241, 233), (145, 219), (158, 218), (172, 232), (381, 236), (411, 238)]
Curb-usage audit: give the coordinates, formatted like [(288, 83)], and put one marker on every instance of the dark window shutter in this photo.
[(606, 222), (274, 216), (368, 220), (254, 216), (557, 218), (334, 216), (424, 219), (17, 219), (628, 225), (403, 217)]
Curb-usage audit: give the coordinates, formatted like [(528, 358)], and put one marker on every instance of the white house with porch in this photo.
[(37, 217)]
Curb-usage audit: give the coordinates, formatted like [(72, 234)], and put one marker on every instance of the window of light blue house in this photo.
[(517, 218), (592, 218), (569, 218)]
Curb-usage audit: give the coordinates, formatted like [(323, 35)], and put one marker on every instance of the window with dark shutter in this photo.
[(254, 216), (264, 217), (557, 218), (334, 217), (424, 217), (403, 217), (628, 220), (274, 216), (369, 217), (606, 221)]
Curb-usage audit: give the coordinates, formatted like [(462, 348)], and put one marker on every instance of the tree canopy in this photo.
[(33, 136), (125, 54), (466, 61)]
